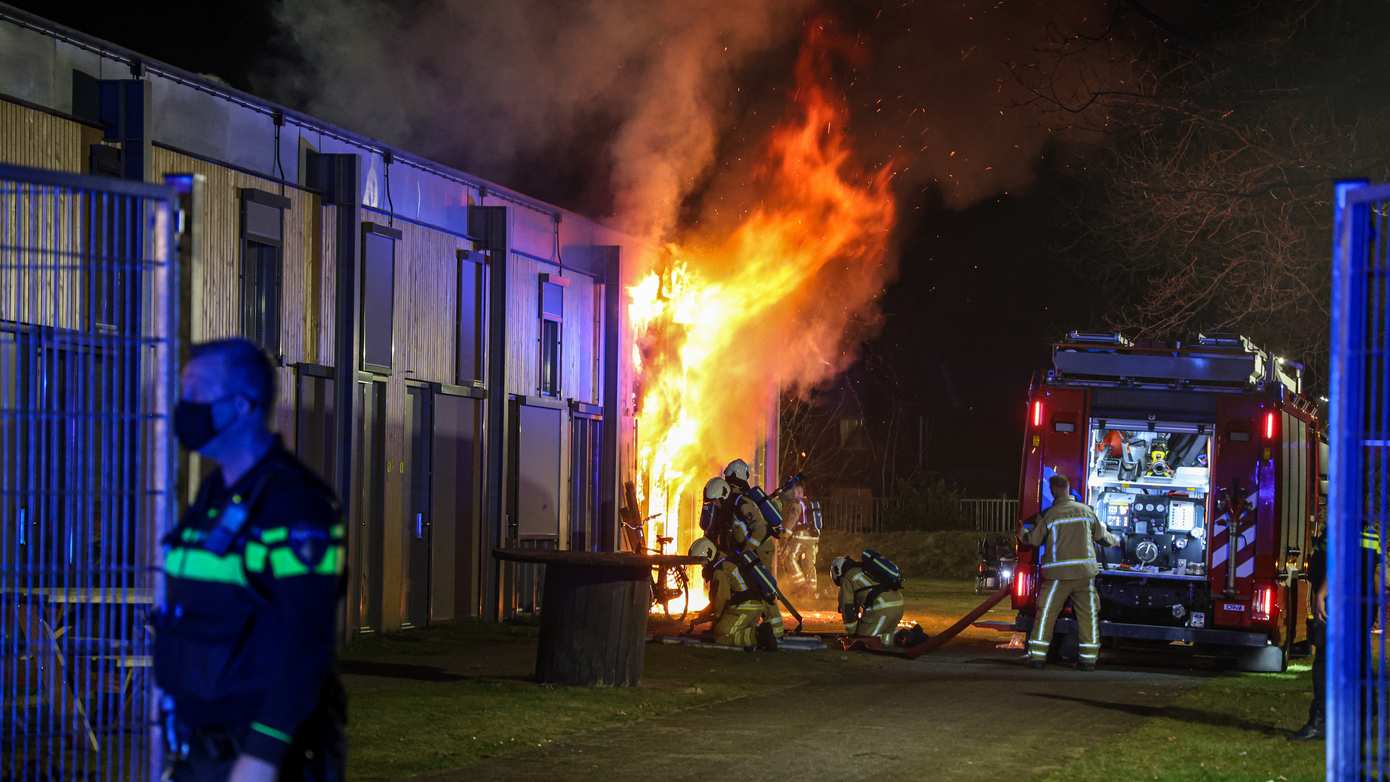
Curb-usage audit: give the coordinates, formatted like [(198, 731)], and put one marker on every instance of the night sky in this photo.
[(982, 288)]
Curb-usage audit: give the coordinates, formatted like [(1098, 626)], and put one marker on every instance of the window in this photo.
[(468, 369), (552, 315), (378, 292), (262, 254)]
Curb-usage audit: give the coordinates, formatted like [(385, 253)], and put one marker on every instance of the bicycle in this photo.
[(667, 590)]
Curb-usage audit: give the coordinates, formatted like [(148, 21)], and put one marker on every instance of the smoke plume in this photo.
[(634, 89)]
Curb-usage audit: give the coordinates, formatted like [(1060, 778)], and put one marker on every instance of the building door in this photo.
[(456, 500), (415, 592), (535, 491), (368, 511), (314, 420)]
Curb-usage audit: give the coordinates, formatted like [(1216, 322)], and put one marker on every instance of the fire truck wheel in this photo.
[(1065, 648)]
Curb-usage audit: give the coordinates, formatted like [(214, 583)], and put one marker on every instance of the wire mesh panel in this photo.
[(87, 362), (1360, 477)]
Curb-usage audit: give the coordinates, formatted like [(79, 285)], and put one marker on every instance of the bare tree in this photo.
[(1212, 203)]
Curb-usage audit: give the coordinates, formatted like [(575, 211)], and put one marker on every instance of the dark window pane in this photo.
[(550, 358), (470, 309), (260, 295), (552, 301), (378, 289)]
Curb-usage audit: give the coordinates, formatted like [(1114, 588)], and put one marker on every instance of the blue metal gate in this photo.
[(88, 352), (1360, 483)]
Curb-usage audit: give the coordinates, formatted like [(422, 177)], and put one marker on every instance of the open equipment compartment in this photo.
[(1149, 483)]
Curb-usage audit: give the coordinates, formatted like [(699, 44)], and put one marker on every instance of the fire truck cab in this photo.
[(1207, 462)]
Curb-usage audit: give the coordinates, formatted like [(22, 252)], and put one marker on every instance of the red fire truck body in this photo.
[(1204, 460)]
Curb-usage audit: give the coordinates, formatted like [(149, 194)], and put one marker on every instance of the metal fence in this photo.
[(1360, 487), (990, 515), (87, 360), (857, 514)]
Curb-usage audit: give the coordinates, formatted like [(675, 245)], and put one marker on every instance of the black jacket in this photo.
[(246, 637)]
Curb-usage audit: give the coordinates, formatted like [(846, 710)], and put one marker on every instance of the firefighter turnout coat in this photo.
[(751, 530), (1068, 529), (868, 609), (1068, 564), (245, 642)]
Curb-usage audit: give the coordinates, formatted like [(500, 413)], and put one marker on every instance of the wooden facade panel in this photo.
[(523, 325), (523, 331), (220, 277), (33, 138), (45, 269), (578, 339)]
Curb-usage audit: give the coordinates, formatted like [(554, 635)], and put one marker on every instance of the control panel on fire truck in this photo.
[(1150, 489)]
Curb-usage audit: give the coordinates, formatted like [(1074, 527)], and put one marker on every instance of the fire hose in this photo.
[(940, 639)]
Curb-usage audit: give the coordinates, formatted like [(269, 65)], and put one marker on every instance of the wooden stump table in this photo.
[(593, 613)]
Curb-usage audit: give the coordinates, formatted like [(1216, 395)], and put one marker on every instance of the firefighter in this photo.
[(1317, 623), (802, 550), (869, 609), (716, 518), (736, 606), (244, 643), (1069, 568), (750, 528)]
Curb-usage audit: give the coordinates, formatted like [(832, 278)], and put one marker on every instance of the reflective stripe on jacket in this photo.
[(1068, 529)]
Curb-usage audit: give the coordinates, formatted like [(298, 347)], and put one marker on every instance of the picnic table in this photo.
[(593, 613), (53, 606)]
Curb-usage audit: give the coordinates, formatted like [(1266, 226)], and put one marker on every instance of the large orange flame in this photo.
[(721, 325)]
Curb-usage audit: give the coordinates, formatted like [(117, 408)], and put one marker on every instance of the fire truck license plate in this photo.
[(1233, 606)]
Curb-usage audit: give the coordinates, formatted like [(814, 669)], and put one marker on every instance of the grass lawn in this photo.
[(1233, 727), (445, 697)]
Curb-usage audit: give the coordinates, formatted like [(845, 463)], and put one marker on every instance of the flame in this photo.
[(721, 324)]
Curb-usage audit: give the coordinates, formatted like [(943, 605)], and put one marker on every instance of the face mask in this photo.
[(193, 424)]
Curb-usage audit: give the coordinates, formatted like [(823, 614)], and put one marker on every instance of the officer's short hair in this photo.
[(1060, 486), (248, 368)]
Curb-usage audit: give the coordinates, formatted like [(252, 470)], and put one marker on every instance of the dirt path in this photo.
[(972, 713)]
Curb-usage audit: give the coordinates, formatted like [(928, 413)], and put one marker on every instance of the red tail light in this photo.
[(1037, 414), (1263, 606), (1269, 425), (1021, 578)]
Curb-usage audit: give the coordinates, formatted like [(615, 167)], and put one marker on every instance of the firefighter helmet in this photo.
[(704, 549), (837, 568), (717, 490), (737, 471)]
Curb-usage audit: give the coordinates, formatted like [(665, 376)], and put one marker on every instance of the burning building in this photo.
[(449, 349)]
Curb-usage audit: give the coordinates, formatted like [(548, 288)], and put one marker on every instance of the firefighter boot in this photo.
[(767, 639)]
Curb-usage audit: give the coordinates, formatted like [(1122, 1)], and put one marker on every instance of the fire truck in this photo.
[(1207, 461)]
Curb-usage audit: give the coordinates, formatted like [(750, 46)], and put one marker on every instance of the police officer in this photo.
[(1069, 569), (1317, 623), (244, 644)]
